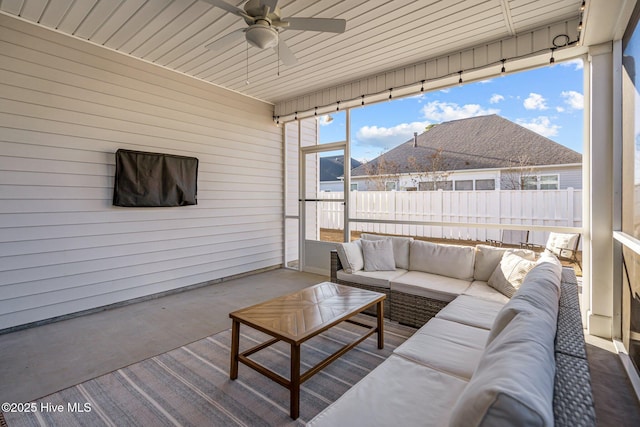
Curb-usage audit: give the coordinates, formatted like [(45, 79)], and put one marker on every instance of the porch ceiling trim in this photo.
[(526, 50)]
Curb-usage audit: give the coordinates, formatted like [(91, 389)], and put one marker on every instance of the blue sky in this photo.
[(547, 100)]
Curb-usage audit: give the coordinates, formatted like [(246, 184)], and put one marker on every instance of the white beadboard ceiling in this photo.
[(381, 35)]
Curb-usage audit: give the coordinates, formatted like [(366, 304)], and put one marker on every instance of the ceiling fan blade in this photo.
[(286, 55), (229, 8), (313, 24), (226, 41)]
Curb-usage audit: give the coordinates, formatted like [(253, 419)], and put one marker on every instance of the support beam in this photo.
[(600, 315)]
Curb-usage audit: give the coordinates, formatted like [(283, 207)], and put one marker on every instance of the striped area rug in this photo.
[(190, 386)]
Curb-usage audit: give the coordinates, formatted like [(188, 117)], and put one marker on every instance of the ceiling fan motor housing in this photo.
[(255, 9)]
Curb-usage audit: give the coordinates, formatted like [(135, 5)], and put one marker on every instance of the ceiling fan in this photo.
[(264, 25)]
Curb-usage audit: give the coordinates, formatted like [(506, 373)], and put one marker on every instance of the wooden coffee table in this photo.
[(297, 317)]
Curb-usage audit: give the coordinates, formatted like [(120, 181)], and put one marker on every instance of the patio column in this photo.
[(600, 177)]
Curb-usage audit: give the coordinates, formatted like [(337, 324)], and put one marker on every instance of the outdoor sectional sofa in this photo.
[(482, 359)]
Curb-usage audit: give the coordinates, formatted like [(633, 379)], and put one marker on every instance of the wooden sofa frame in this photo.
[(572, 398)]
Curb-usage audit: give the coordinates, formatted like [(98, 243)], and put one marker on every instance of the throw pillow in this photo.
[(488, 258), (378, 255), (509, 274), (400, 247), (351, 257)]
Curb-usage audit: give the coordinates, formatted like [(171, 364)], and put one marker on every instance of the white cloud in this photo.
[(573, 99), (560, 109), (445, 111), (535, 101), (541, 125), (383, 137), (577, 63), (495, 98)]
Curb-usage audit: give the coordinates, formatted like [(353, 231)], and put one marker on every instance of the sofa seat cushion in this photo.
[(434, 286), (400, 247), (446, 260), (380, 279), (482, 290), (471, 311), (398, 391), (447, 346)]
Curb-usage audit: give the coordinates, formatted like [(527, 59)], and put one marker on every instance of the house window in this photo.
[(540, 182), (444, 185), (529, 182), (485, 184), (434, 186), (390, 186), (354, 186), (464, 185), (549, 182), (427, 186)]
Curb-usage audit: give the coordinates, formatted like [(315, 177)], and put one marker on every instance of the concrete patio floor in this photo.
[(39, 361)]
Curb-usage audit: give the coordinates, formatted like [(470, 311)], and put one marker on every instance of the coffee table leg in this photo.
[(381, 324), (294, 407), (235, 347)]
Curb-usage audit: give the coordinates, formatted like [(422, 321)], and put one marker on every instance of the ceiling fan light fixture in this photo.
[(262, 36)]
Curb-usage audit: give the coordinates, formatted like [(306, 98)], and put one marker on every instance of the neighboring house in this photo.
[(478, 153), (331, 172)]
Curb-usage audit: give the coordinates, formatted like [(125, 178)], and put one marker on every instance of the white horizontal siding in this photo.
[(570, 178), (65, 107)]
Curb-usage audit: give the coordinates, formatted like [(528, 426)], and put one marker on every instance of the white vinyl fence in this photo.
[(561, 208)]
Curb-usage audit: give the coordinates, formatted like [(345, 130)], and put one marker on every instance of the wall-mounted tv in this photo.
[(154, 179)]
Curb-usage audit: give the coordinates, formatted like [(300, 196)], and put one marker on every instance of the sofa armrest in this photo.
[(335, 265)]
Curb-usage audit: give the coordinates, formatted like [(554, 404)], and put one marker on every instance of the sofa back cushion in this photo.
[(538, 295), (513, 383), (351, 257), (400, 248), (445, 260), (488, 258), (378, 255)]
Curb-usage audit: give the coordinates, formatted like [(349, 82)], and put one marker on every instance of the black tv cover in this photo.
[(154, 179)]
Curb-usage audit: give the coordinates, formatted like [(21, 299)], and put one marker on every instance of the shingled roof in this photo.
[(476, 143), (332, 167)]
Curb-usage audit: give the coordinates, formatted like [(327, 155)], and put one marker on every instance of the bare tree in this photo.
[(381, 171), (518, 174), (430, 169)]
